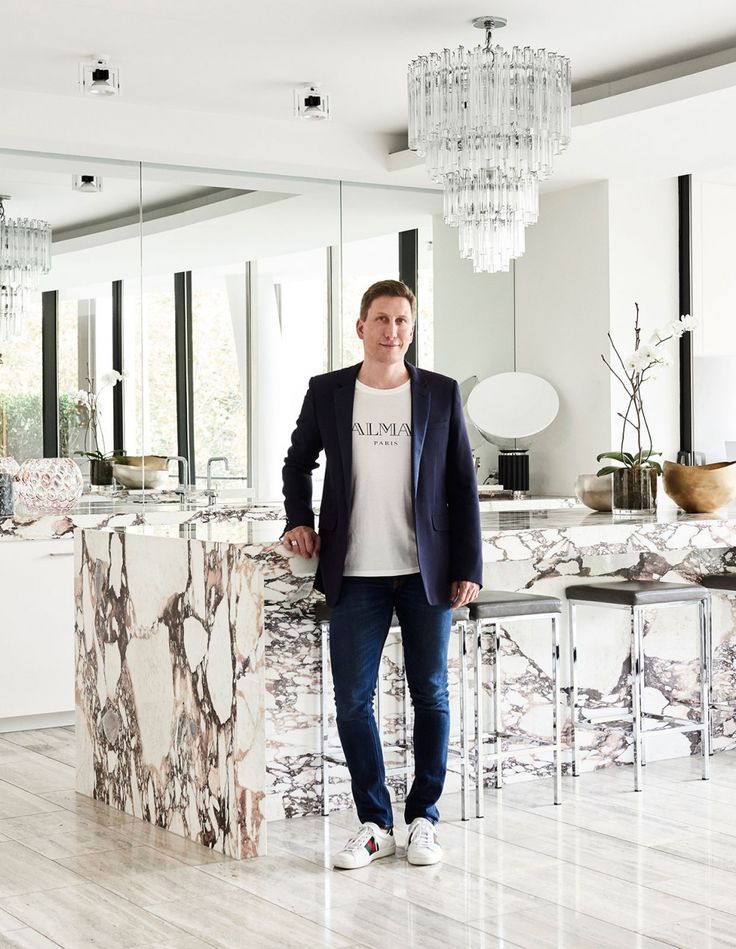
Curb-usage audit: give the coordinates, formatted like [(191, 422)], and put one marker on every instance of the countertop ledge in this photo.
[(517, 535)]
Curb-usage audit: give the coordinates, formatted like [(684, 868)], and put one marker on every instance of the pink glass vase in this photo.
[(49, 485), (9, 466)]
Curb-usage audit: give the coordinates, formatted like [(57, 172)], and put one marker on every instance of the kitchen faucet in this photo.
[(211, 492), (183, 485)]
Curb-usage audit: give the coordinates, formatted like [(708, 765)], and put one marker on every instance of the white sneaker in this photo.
[(423, 848), (367, 844)]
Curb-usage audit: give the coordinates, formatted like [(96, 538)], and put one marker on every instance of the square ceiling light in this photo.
[(97, 77)]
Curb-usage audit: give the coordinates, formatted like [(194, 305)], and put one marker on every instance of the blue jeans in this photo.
[(359, 625)]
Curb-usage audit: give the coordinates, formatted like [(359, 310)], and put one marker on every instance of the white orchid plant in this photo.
[(88, 414), (644, 364)]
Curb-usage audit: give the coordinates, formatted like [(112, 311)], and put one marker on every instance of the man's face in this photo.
[(387, 329)]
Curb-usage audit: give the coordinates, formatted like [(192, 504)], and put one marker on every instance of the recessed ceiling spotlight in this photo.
[(311, 103), (88, 184), (98, 78)]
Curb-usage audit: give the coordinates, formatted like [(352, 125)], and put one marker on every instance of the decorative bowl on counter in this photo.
[(595, 491), (49, 485), (154, 462), (700, 489), (135, 476), (9, 466)]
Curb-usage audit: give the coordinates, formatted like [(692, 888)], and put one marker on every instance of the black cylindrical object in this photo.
[(513, 469), (6, 495)]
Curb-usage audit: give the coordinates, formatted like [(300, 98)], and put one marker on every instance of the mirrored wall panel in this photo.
[(240, 296), (183, 311), (72, 241)]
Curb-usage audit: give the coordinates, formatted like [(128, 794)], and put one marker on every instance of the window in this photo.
[(290, 331), (149, 359), (219, 359), (21, 420), (714, 298), (84, 342)]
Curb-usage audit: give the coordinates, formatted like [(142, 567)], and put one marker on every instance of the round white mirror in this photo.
[(475, 437), (511, 407)]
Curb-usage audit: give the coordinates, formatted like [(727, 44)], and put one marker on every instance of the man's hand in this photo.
[(302, 540), (463, 592)]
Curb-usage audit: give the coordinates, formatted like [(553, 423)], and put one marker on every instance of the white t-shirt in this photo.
[(381, 539)]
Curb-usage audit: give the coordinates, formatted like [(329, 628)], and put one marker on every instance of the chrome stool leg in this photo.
[(378, 703), (477, 632), (496, 656), (642, 678), (323, 724), (636, 646), (464, 750), (556, 709), (709, 659), (573, 690), (408, 724), (705, 737)]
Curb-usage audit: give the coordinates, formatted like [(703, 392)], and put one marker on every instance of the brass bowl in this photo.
[(700, 489), (154, 462), (595, 491), (137, 477)]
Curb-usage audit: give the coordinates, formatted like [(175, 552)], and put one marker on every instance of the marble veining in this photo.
[(170, 689), (59, 526), (523, 551)]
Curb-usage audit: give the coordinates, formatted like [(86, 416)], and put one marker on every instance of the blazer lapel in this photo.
[(344, 395), (420, 403)]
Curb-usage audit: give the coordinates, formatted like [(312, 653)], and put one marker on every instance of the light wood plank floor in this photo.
[(607, 869)]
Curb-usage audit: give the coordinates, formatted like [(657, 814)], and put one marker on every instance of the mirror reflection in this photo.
[(186, 309), (55, 380)]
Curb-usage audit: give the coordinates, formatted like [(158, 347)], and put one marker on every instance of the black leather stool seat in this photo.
[(496, 604), (637, 592), (322, 613), (720, 581)]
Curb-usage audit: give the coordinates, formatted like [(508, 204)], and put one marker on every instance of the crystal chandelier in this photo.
[(25, 254), (488, 124)]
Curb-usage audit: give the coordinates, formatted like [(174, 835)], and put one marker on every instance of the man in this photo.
[(399, 530)]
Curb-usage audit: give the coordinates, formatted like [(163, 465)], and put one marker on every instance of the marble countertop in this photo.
[(124, 515), (507, 535)]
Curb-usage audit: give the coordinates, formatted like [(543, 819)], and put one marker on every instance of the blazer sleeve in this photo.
[(466, 551), (300, 462)]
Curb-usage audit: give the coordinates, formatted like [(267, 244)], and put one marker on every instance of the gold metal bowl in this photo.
[(700, 489), (134, 476), (154, 462), (595, 491)]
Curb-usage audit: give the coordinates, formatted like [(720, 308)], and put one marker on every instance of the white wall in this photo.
[(562, 310), (643, 240), (596, 249), (473, 319)]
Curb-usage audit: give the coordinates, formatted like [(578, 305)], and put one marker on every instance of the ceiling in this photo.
[(245, 58), (212, 85)]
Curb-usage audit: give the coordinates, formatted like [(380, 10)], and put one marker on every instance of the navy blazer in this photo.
[(444, 486)]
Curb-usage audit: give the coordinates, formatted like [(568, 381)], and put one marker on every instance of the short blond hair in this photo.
[(387, 288)]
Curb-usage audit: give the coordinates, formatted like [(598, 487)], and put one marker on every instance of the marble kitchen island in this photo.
[(198, 668), (36, 566)]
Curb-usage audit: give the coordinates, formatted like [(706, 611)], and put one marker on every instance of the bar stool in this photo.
[(333, 756), (635, 596), (486, 614), (720, 583)]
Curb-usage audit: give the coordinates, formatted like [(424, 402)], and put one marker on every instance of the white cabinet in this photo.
[(36, 631)]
